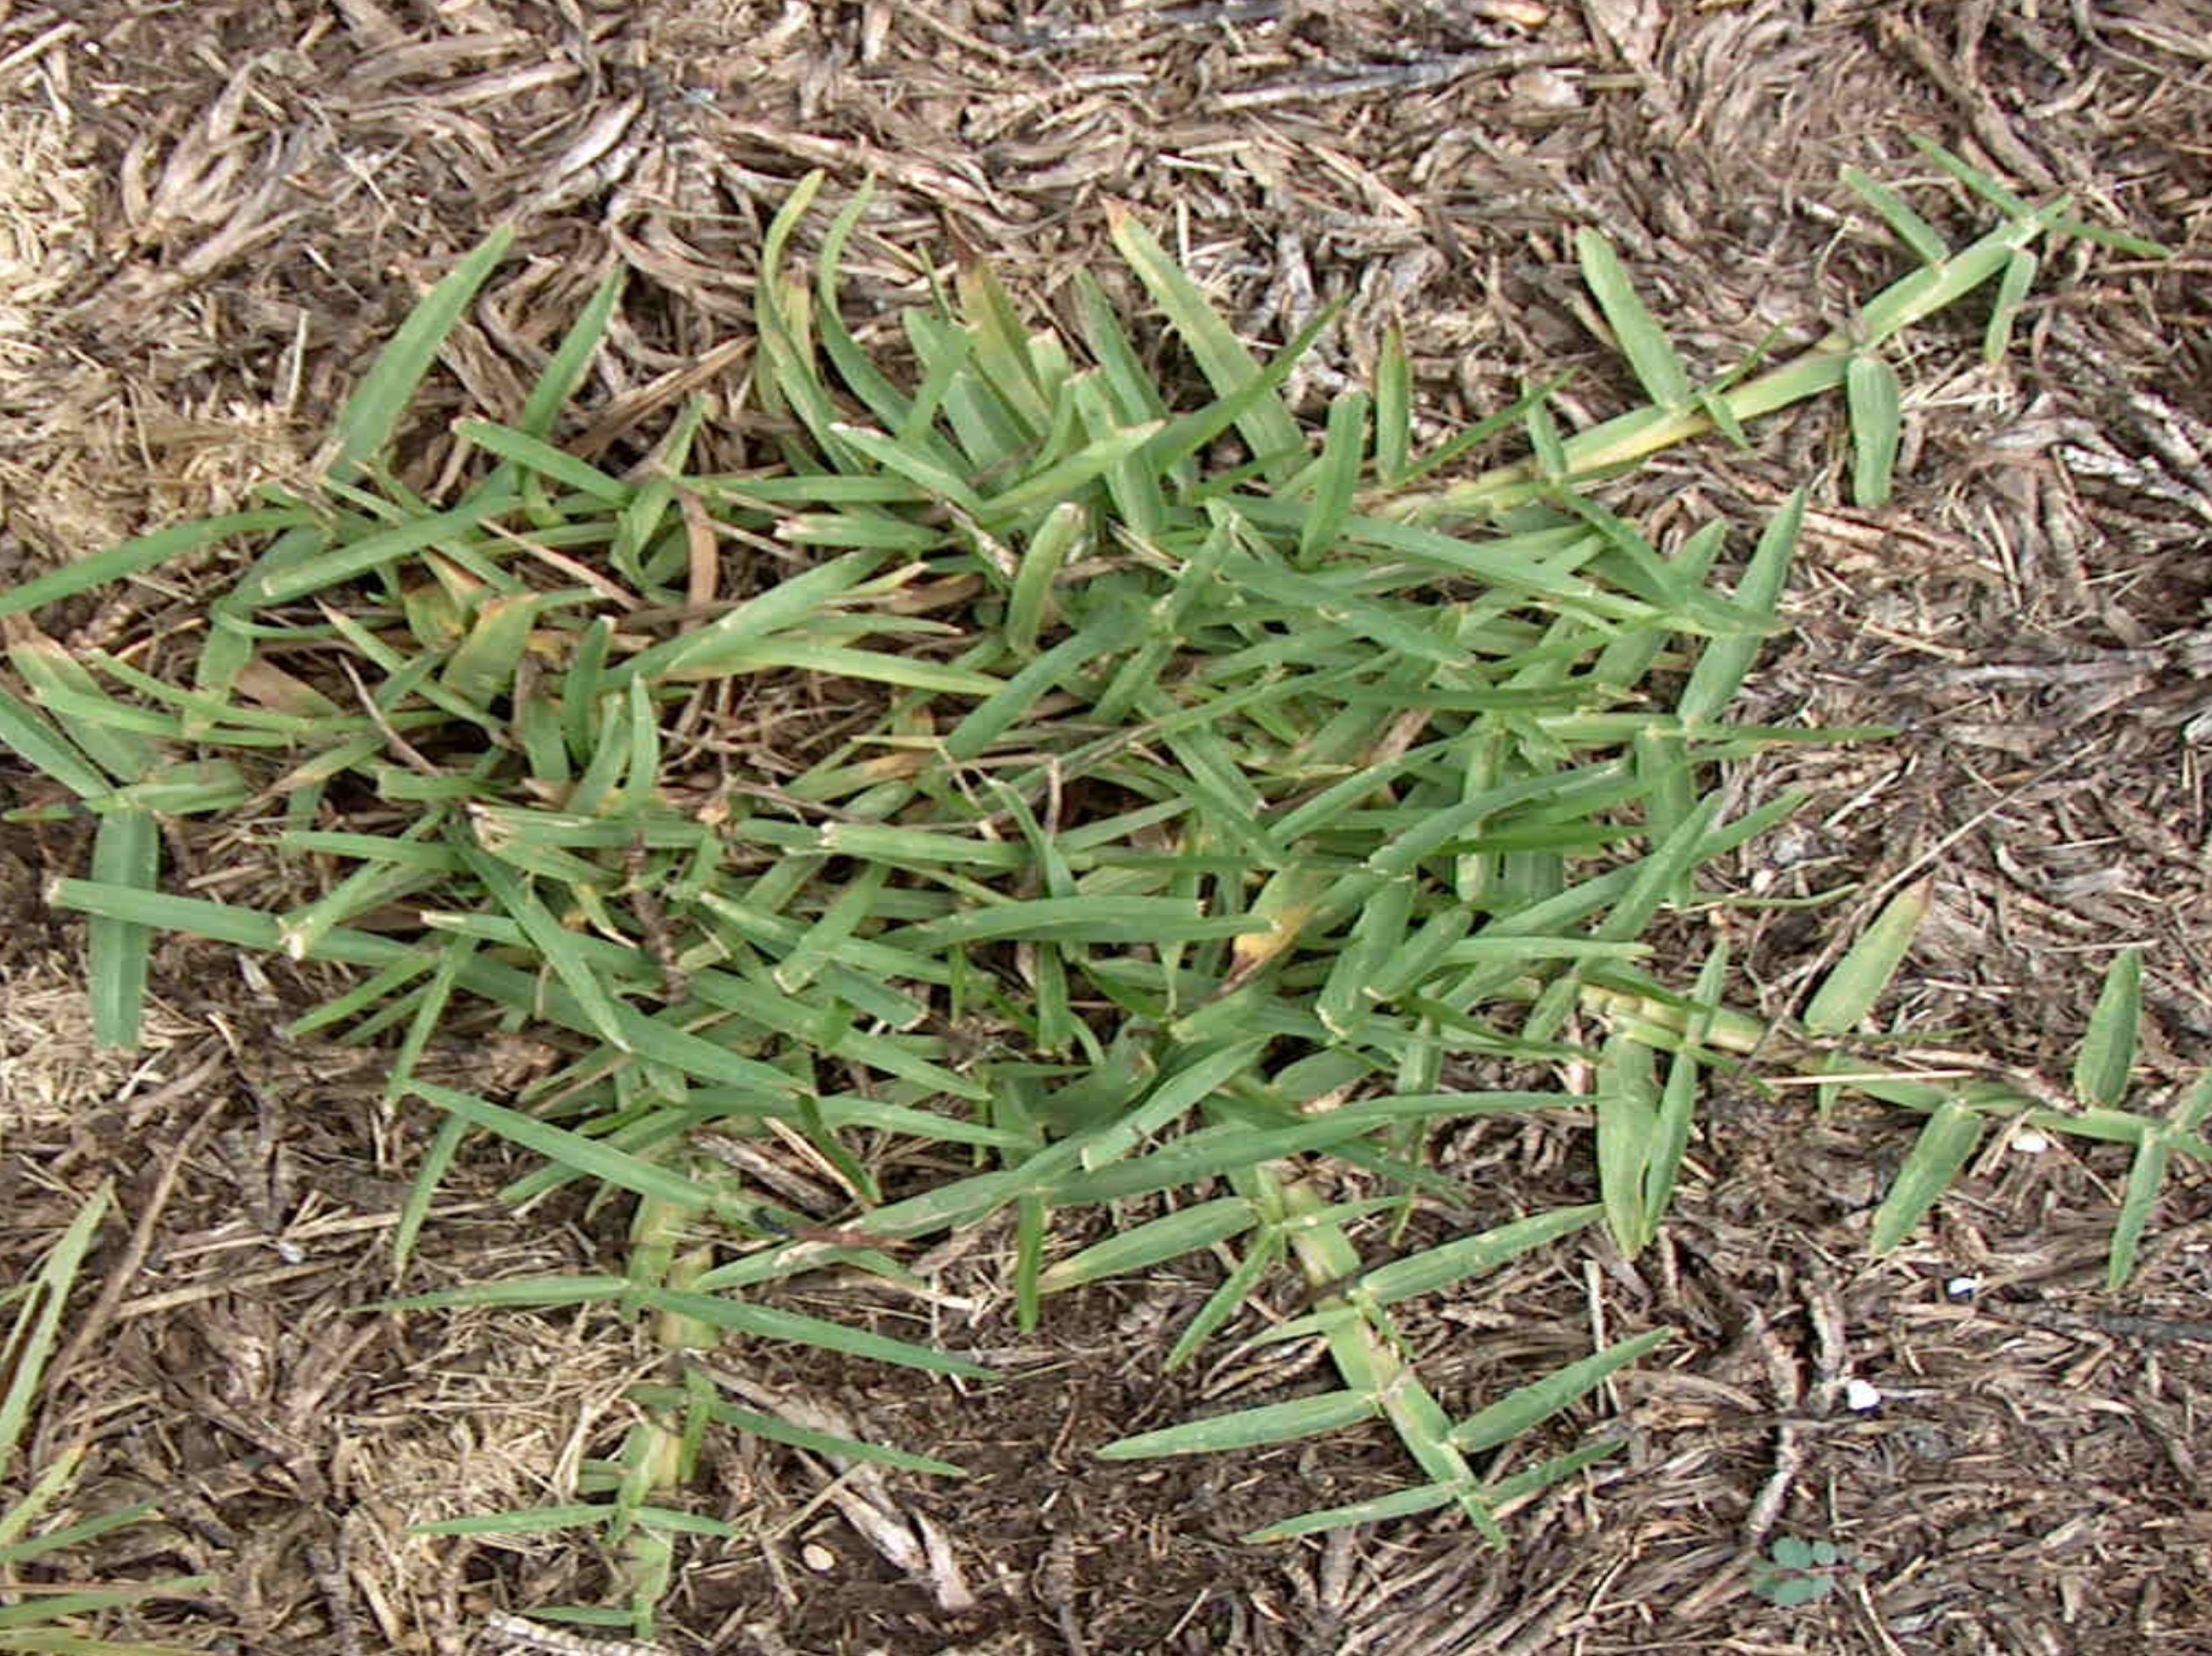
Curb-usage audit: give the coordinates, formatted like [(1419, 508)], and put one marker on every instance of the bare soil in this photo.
[(215, 212)]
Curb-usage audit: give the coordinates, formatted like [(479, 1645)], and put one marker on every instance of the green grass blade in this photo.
[(2104, 235), (2196, 1108), (193, 788), (766, 1323), (892, 407), (1724, 663), (1678, 1101), (1452, 1263), (1067, 478), (375, 550), (1531, 1406), (1336, 476), (1972, 177), (1404, 1503), (599, 1160), (1029, 607), (925, 471), (51, 1484), (373, 413), (534, 454), (786, 605), (1007, 366), (2012, 292), (1223, 1303), (1462, 443), (1627, 1108), (1394, 410), (1449, 1264), (2146, 1178), (1280, 1422), (1031, 1217), (72, 1534), (1175, 1096), (26, 733), (147, 552), (1557, 1470), (1650, 354), (1554, 466), (437, 1161), (1151, 920), (1914, 231), (1875, 400), (775, 1429), (126, 852), (564, 371), (52, 1641), (555, 944), (541, 1292), (482, 666), (1859, 980), (117, 738), (2107, 1058), (1228, 365), (1946, 1142), (877, 666), (537, 1520), (21, 1625), (37, 1327), (1622, 441), (1188, 433)]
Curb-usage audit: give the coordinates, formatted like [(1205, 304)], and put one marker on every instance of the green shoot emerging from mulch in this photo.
[(1023, 792)]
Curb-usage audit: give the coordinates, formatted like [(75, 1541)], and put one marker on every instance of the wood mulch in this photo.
[(212, 213)]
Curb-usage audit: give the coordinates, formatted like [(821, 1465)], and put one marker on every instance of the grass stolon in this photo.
[(1007, 806)]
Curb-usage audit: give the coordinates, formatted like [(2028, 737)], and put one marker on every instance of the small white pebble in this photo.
[(817, 1558), (1963, 1288), (1860, 1398), (2030, 1142), (1545, 89)]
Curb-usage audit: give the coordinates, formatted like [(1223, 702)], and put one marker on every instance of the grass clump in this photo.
[(1024, 794)]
